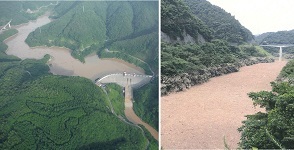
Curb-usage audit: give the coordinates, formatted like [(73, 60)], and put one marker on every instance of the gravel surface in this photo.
[(200, 117)]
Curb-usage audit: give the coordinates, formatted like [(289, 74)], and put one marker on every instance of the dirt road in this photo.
[(201, 116)]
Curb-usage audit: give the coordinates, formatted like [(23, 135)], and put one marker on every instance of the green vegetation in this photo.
[(227, 46), (273, 129), (223, 24), (42, 111), (117, 98), (153, 144), (146, 103), (3, 47), (176, 18), (287, 71), (280, 37), (18, 11), (176, 59), (126, 57), (87, 27)]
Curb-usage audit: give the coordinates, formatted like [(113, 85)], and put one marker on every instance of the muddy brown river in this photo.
[(202, 116)]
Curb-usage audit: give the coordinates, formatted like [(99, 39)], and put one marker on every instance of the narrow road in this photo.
[(200, 117)]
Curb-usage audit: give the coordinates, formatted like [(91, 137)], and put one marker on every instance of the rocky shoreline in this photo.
[(184, 81)]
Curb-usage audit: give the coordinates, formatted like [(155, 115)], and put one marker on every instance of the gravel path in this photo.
[(200, 117)]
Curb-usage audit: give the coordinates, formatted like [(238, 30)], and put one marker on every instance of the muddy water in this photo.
[(63, 63), (202, 116), (131, 116)]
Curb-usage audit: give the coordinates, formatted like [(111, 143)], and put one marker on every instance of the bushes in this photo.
[(272, 129)]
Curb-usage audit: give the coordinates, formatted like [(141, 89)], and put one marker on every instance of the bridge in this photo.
[(4, 27), (281, 48)]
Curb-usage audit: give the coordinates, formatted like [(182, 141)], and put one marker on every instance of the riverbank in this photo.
[(201, 116), (186, 80)]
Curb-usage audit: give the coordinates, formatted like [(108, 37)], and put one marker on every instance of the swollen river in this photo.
[(202, 116)]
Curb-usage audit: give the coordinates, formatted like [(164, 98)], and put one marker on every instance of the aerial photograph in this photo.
[(79, 75), (227, 74)]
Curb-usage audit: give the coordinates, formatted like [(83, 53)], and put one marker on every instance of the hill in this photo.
[(124, 28), (184, 64), (43, 111), (280, 37), (22, 11), (177, 22), (222, 23)]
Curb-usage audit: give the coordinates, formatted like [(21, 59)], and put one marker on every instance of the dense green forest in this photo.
[(22, 11), (177, 18), (218, 48), (43, 111), (273, 129), (222, 23), (146, 103), (176, 59), (86, 27)]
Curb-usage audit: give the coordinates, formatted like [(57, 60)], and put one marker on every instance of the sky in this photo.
[(260, 16)]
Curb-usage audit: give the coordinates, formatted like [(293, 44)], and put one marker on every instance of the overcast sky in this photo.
[(261, 16)]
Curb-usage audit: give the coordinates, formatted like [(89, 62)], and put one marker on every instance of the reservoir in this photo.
[(62, 62)]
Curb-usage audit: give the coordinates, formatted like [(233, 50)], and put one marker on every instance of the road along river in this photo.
[(200, 117), (62, 63)]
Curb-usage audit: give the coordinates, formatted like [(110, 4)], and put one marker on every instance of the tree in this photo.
[(275, 127)]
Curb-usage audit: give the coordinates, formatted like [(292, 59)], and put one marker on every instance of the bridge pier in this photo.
[(280, 54)]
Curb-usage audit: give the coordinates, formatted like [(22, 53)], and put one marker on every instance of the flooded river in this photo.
[(63, 63), (202, 116)]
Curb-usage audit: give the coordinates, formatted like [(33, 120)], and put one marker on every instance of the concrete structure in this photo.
[(281, 49), (4, 27), (124, 79)]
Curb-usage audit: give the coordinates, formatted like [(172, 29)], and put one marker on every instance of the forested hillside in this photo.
[(222, 23), (177, 19), (43, 111), (223, 51), (124, 28), (180, 58), (22, 12), (273, 129), (280, 37)]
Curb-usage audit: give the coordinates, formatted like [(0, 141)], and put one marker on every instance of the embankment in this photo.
[(186, 80)]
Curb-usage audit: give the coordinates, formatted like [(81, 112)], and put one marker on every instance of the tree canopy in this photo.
[(273, 129)]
